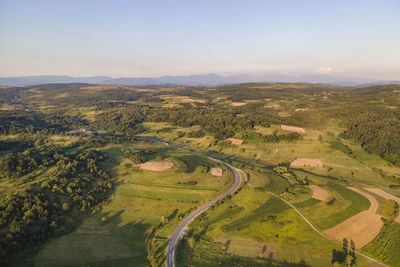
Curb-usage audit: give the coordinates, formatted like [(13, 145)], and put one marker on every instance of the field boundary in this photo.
[(183, 226), (327, 237)]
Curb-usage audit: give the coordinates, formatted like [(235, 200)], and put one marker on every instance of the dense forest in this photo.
[(376, 128), (41, 208)]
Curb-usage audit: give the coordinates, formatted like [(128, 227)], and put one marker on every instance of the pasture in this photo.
[(117, 235), (230, 233)]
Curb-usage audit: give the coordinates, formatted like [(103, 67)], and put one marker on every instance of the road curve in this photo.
[(180, 230)]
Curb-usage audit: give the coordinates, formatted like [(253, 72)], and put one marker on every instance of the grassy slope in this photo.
[(286, 236), (386, 245), (132, 212), (358, 203)]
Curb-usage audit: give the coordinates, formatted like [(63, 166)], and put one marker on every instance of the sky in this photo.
[(155, 38)]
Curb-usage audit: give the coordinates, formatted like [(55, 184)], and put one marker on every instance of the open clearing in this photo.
[(186, 99), (238, 104), (235, 141), (319, 193), (158, 166), (362, 228), (293, 129), (216, 171), (250, 248), (385, 195), (305, 162)]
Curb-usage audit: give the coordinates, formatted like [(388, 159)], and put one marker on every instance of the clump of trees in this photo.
[(271, 138), (136, 157), (196, 134)]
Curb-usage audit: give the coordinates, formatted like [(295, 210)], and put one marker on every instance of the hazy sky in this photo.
[(154, 38)]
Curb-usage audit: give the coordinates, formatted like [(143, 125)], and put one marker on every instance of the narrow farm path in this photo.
[(180, 230)]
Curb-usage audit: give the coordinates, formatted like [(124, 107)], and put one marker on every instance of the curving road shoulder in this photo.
[(180, 230)]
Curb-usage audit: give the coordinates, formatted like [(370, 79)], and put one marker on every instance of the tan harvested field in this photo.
[(156, 165), (7, 107), (307, 162), (362, 228), (186, 99), (293, 129), (238, 104), (319, 193), (216, 171), (385, 195), (235, 141)]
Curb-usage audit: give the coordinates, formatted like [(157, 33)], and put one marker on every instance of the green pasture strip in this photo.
[(272, 206), (202, 188), (307, 203), (358, 204), (191, 162), (171, 196), (226, 214)]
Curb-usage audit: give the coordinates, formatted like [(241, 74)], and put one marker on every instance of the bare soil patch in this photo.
[(216, 171), (293, 129), (235, 141), (385, 195), (362, 228), (238, 104), (319, 193), (156, 165), (305, 162)]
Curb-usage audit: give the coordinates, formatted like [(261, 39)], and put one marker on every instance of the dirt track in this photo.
[(362, 228)]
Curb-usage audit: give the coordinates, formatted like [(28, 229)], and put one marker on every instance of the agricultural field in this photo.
[(258, 229), (111, 160)]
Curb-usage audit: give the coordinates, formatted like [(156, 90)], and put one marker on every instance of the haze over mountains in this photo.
[(210, 79)]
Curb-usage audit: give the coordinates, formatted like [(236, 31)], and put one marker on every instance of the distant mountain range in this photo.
[(210, 79)]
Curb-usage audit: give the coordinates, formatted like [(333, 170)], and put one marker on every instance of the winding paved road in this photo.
[(180, 230)]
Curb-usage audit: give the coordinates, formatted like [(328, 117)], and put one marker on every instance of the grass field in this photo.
[(141, 201), (307, 203), (386, 245), (276, 235), (358, 204)]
